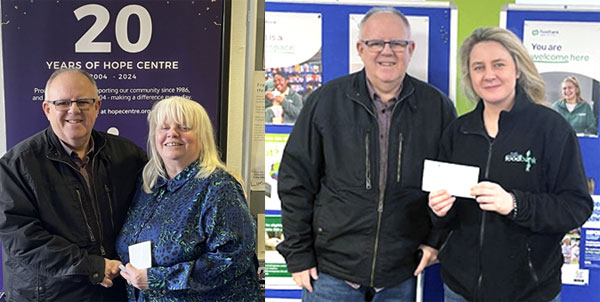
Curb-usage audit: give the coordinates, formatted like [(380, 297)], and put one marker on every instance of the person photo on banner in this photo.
[(194, 214), (354, 218), (286, 103), (64, 193), (505, 243), (575, 109)]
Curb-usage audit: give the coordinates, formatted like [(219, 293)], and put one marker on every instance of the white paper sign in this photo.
[(140, 255), (572, 274), (454, 178)]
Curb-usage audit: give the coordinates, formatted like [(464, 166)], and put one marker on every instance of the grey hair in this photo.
[(383, 9), (529, 80), (59, 71)]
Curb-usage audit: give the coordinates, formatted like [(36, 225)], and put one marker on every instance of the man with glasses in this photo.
[(64, 193), (354, 218)]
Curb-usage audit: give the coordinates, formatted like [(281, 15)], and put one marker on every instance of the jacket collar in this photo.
[(359, 91), (474, 120), (56, 150), (563, 105)]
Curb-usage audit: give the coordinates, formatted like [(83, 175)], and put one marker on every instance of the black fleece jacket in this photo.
[(535, 155)]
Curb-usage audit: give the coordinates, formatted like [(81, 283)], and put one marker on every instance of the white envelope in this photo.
[(140, 255), (454, 178)]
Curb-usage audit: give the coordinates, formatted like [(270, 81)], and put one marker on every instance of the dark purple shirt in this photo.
[(383, 113)]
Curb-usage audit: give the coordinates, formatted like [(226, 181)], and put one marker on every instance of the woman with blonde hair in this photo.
[(574, 108), (504, 243), (193, 212)]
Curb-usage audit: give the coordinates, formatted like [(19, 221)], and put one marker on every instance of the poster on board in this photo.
[(570, 66), (590, 248), (419, 26), (591, 252), (274, 145), (138, 53), (293, 67)]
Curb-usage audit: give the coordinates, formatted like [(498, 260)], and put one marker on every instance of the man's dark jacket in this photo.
[(51, 230), (328, 182)]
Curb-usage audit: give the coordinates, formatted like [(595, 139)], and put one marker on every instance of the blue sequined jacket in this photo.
[(203, 239)]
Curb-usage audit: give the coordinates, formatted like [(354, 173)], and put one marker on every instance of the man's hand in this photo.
[(111, 271), (111, 268), (429, 258), (106, 282), (302, 278), (135, 277), (277, 100)]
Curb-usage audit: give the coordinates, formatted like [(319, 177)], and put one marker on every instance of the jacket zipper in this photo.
[(96, 210), (85, 217), (399, 166), (531, 269), (369, 186), (367, 163), (483, 216), (379, 214), (107, 190)]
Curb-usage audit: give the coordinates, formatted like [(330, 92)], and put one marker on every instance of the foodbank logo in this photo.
[(515, 157), (545, 32)]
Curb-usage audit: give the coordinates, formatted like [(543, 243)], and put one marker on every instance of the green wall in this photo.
[(471, 15)]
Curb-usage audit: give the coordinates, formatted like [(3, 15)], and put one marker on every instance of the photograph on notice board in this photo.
[(570, 66), (293, 67), (572, 95)]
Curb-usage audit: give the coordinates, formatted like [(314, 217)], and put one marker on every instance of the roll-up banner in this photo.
[(139, 52)]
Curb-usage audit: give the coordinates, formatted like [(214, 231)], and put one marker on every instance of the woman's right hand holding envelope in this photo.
[(440, 202)]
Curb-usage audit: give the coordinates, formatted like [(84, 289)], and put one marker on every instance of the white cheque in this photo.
[(456, 179)]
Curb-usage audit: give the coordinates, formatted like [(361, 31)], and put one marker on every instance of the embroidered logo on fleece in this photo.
[(519, 158)]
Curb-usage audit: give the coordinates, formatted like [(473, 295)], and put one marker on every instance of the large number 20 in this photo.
[(86, 42)]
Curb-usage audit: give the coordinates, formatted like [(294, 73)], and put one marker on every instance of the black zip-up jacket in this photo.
[(49, 228), (328, 182), (535, 155)]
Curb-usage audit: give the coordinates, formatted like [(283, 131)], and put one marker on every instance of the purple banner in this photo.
[(138, 52)]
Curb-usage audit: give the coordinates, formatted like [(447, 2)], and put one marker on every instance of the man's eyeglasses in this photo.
[(64, 105), (378, 45)]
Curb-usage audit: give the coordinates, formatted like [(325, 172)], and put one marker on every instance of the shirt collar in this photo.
[(180, 179), (373, 94), (72, 153)]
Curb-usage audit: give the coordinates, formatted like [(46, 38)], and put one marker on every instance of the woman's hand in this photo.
[(441, 202), (136, 278), (492, 197)]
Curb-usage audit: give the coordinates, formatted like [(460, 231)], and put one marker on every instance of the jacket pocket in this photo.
[(110, 206), (443, 247), (368, 184), (319, 228), (399, 165), (85, 218), (532, 271)]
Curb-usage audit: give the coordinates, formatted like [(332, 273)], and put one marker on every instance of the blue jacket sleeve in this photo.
[(230, 234)]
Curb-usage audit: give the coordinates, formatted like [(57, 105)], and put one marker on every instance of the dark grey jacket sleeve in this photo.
[(25, 238), (299, 182)]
